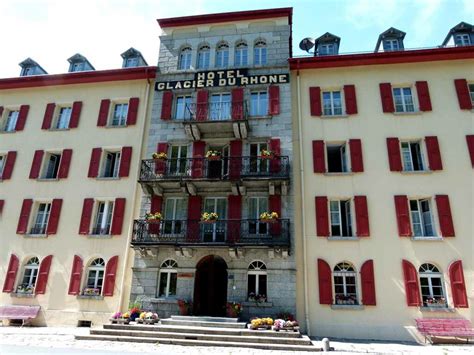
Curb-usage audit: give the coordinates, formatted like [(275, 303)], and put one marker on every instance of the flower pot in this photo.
[(212, 158), (266, 157), (134, 316), (268, 220), (210, 221)]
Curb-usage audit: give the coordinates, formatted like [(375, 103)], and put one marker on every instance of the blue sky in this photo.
[(50, 31)]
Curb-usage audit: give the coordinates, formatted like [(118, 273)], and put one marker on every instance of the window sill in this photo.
[(35, 235), (22, 295), (99, 236), (87, 297), (7, 132), (330, 117), (47, 179), (431, 239), (257, 304), (121, 126), (414, 113), (165, 300), (352, 307), (59, 129), (344, 238), (437, 309), (260, 117), (419, 172), (348, 173), (107, 178)]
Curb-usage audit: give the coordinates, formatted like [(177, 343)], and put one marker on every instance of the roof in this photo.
[(83, 77), (327, 37), (132, 52), (460, 27), (392, 32)]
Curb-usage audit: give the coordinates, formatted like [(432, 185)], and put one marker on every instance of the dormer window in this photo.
[(77, 67), (78, 63), (30, 67), (27, 71), (132, 59), (462, 39), (327, 44), (390, 45), (460, 35), (327, 49), (391, 40), (131, 62)]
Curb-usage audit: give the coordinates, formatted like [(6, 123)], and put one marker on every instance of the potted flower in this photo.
[(209, 217), (148, 318), (153, 216), (120, 318), (134, 312), (159, 156), (89, 291), (260, 323), (233, 309), (268, 217), (25, 288), (213, 155), (267, 154), (185, 307), (281, 324)]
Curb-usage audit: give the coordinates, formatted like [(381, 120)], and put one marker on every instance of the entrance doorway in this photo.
[(210, 287)]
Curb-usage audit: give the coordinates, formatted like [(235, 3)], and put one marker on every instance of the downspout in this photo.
[(303, 215)]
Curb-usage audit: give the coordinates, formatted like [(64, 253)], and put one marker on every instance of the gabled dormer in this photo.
[(30, 67), (390, 40), (460, 35), (79, 63), (133, 58), (327, 44)]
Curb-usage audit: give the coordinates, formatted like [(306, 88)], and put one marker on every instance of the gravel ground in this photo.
[(60, 340)]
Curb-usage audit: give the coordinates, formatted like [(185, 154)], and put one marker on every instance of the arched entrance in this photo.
[(210, 287)]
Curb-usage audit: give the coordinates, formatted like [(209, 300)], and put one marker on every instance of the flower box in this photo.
[(286, 329), (268, 220), (159, 156), (120, 320), (91, 292), (289, 326), (259, 327), (214, 157)]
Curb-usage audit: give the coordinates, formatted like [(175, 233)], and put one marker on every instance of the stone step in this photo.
[(193, 323), (304, 340), (171, 341), (205, 330), (206, 319)]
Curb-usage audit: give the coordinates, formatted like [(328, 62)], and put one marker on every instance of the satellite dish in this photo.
[(306, 44)]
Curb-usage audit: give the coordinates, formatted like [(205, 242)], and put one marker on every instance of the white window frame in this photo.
[(32, 264), (338, 221), (116, 165), (46, 165), (334, 110), (119, 114), (204, 57), (407, 155), (261, 103), (222, 55), (41, 218), (131, 62), (259, 269), (63, 118), (391, 45), (185, 57), (103, 220), (167, 269), (344, 155), (470, 88), (262, 165), (96, 266), (173, 223), (78, 66), (183, 113), (221, 110), (404, 99), (462, 39), (3, 160), (11, 119), (241, 54), (344, 271), (327, 49), (178, 164), (260, 52), (422, 223), (431, 272)]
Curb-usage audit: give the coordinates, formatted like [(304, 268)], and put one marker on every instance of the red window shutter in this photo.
[(362, 216), (315, 101), (394, 155), (319, 161), (194, 215), (22, 227), (1, 110), (387, 97), (357, 161), (9, 164), (54, 216), (65, 163), (412, 288), (237, 104), (322, 216), (202, 109), (462, 91), (20, 123), (350, 99), (470, 147), (234, 216), (325, 282), (274, 204), (434, 155), (48, 116), (94, 163), (368, 283), (166, 105), (275, 162), (36, 164), (110, 275), (76, 276), (132, 111), (403, 216), (2, 203), (160, 164), (43, 273), (75, 114), (86, 216), (9, 283), (444, 215), (235, 159), (423, 95), (458, 286), (118, 215), (125, 159), (156, 204), (103, 113), (274, 100), (199, 148)]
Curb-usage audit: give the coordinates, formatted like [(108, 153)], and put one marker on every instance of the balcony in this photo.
[(223, 233)]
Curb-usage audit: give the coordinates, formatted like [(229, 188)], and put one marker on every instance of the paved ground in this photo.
[(58, 341)]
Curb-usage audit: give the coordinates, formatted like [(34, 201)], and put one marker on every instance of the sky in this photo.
[(51, 31)]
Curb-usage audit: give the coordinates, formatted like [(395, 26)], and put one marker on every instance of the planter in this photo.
[(211, 221), (260, 327), (147, 321), (213, 158), (120, 321), (287, 329), (268, 220), (267, 157)]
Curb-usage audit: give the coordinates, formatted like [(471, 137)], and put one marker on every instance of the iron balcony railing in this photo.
[(250, 232), (225, 168), (215, 111)]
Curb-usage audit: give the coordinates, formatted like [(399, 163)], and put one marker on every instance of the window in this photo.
[(327, 49), (175, 211), (3, 159), (257, 205), (432, 290), (257, 164), (220, 107), (337, 158), (332, 103), (103, 218), (403, 100), (341, 223), (185, 58), (345, 288), (42, 218), (168, 278), (183, 107), (95, 275), (259, 103), (119, 117), (215, 232), (421, 218), (10, 124), (177, 161), (131, 62), (111, 164), (204, 56), (79, 66), (63, 118), (260, 53), (51, 168), (391, 45), (222, 55), (241, 54), (28, 71), (29, 276), (257, 281), (471, 92), (412, 156), (462, 40)]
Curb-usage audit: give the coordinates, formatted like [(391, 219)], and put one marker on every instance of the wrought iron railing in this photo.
[(216, 111), (225, 168), (249, 232)]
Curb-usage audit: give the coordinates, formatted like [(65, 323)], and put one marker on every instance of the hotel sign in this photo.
[(221, 78)]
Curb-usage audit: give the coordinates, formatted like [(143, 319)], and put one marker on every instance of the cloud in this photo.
[(423, 22), (369, 13)]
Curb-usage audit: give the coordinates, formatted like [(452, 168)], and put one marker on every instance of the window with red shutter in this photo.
[(464, 97), (125, 159), (434, 155), (274, 100), (75, 114), (235, 163), (444, 214), (36, 164), (103, 113), (155, 207), (94, 163), (324, 282), (362, 216), (403, 216), (166, 105), (350, 99), (470, 147), (54, 215), (423, 95), (43, 273), (48, 116), (10, 278), (237, 103), (160, 164), (65, 164), (412, 288), (322, 216), (76, 276), (20, 123), (319, 161), (194, 215), (22, 227), (132, 111), (315, 101), (202, 98), (234, 215), (110, 275), (357, 162), (386, 97), (394, 155), (274, 204), (9, 165), (458, 286), (118, 215), (87, 207), (275, 162), (199, 148), (367, 281)]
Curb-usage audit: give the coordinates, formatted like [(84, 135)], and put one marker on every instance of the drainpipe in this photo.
[(303, 194)]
